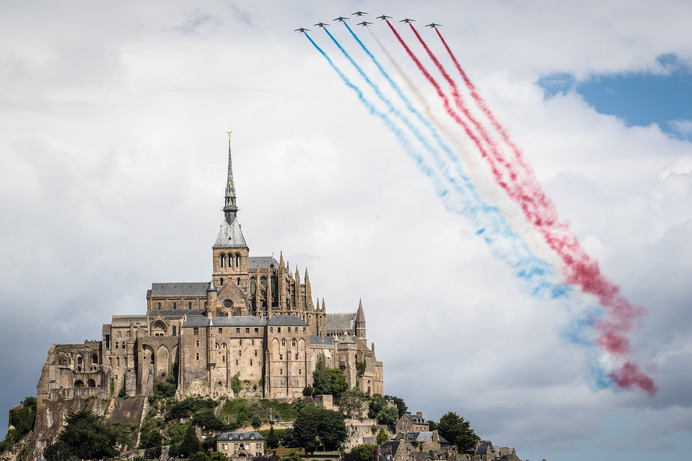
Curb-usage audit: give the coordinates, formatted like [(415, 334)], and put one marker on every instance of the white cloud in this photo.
[(113, 164)]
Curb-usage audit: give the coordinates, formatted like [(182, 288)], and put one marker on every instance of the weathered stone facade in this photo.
[(253, 324)]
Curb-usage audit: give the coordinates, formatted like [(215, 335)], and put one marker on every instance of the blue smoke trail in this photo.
[(518, 256), (492, 226)]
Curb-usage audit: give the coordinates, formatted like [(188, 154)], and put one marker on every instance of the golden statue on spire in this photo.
[(229, 135)]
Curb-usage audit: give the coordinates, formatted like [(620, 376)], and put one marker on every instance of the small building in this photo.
[(411, 423), (235, 444)]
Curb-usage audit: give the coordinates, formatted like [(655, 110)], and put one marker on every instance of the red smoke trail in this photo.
[(580, 269), (445, 101), (497, 156)]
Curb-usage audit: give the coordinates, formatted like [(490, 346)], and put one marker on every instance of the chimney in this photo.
[(419, 413)]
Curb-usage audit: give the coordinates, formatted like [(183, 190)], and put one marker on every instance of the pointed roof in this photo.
[(229, 199), (360, 315), (230, 235)]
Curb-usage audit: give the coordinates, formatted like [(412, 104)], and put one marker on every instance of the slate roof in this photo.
[(178, 289), (286, 320), (233, 321), (262, 261), (230, 235), (327, 341), (415, 419), (423, 437), (236, 436), (177, 312), (340, 322)]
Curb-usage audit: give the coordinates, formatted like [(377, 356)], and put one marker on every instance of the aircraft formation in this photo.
[(383, 17)]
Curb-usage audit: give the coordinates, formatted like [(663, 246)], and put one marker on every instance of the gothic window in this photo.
[(283, 342), (174, 330), (237, 260), (253, 286), (294, 343), (223, 260)]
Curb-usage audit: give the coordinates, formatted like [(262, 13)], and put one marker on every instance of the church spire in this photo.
[(229, 200)]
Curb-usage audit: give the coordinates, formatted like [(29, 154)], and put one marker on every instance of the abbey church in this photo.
[(254, 322)]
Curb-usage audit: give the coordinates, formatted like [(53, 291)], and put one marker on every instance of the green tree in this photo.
[(320, 379), (457, 431), (236, 384), (399, 402), (190, 444), (272, 438), (332, 429), (351, 402), (388, 416), (87, 436), (337, 381), (365, 452), (58, 451), (382, 437), (315, 425)]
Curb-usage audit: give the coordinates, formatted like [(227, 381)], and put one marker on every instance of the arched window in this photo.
[(223, 260), (294, 343), (237, 260), (95, 359), (283, 342)]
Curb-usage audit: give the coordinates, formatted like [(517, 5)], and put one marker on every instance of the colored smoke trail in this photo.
[(489, 222), (518, 180), (580, 269), (472, 163)]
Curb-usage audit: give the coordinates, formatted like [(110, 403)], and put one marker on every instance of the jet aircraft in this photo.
[(340, 19), (407, 20), (321, 24), (359, 13), (364, 23), (384, 17), (301, 30), (433, 25)]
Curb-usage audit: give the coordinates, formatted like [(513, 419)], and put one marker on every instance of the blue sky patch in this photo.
[(635, 97)]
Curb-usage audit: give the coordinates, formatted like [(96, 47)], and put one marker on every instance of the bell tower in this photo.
[(230, 255)]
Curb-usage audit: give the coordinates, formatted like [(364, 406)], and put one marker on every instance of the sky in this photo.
[(113, 155)]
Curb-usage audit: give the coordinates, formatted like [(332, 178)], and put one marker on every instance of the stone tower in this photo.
[(230, 256)]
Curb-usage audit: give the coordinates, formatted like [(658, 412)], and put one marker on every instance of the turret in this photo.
[(360, 321)]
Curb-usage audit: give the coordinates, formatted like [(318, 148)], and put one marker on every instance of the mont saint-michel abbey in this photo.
[(254, 320)]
